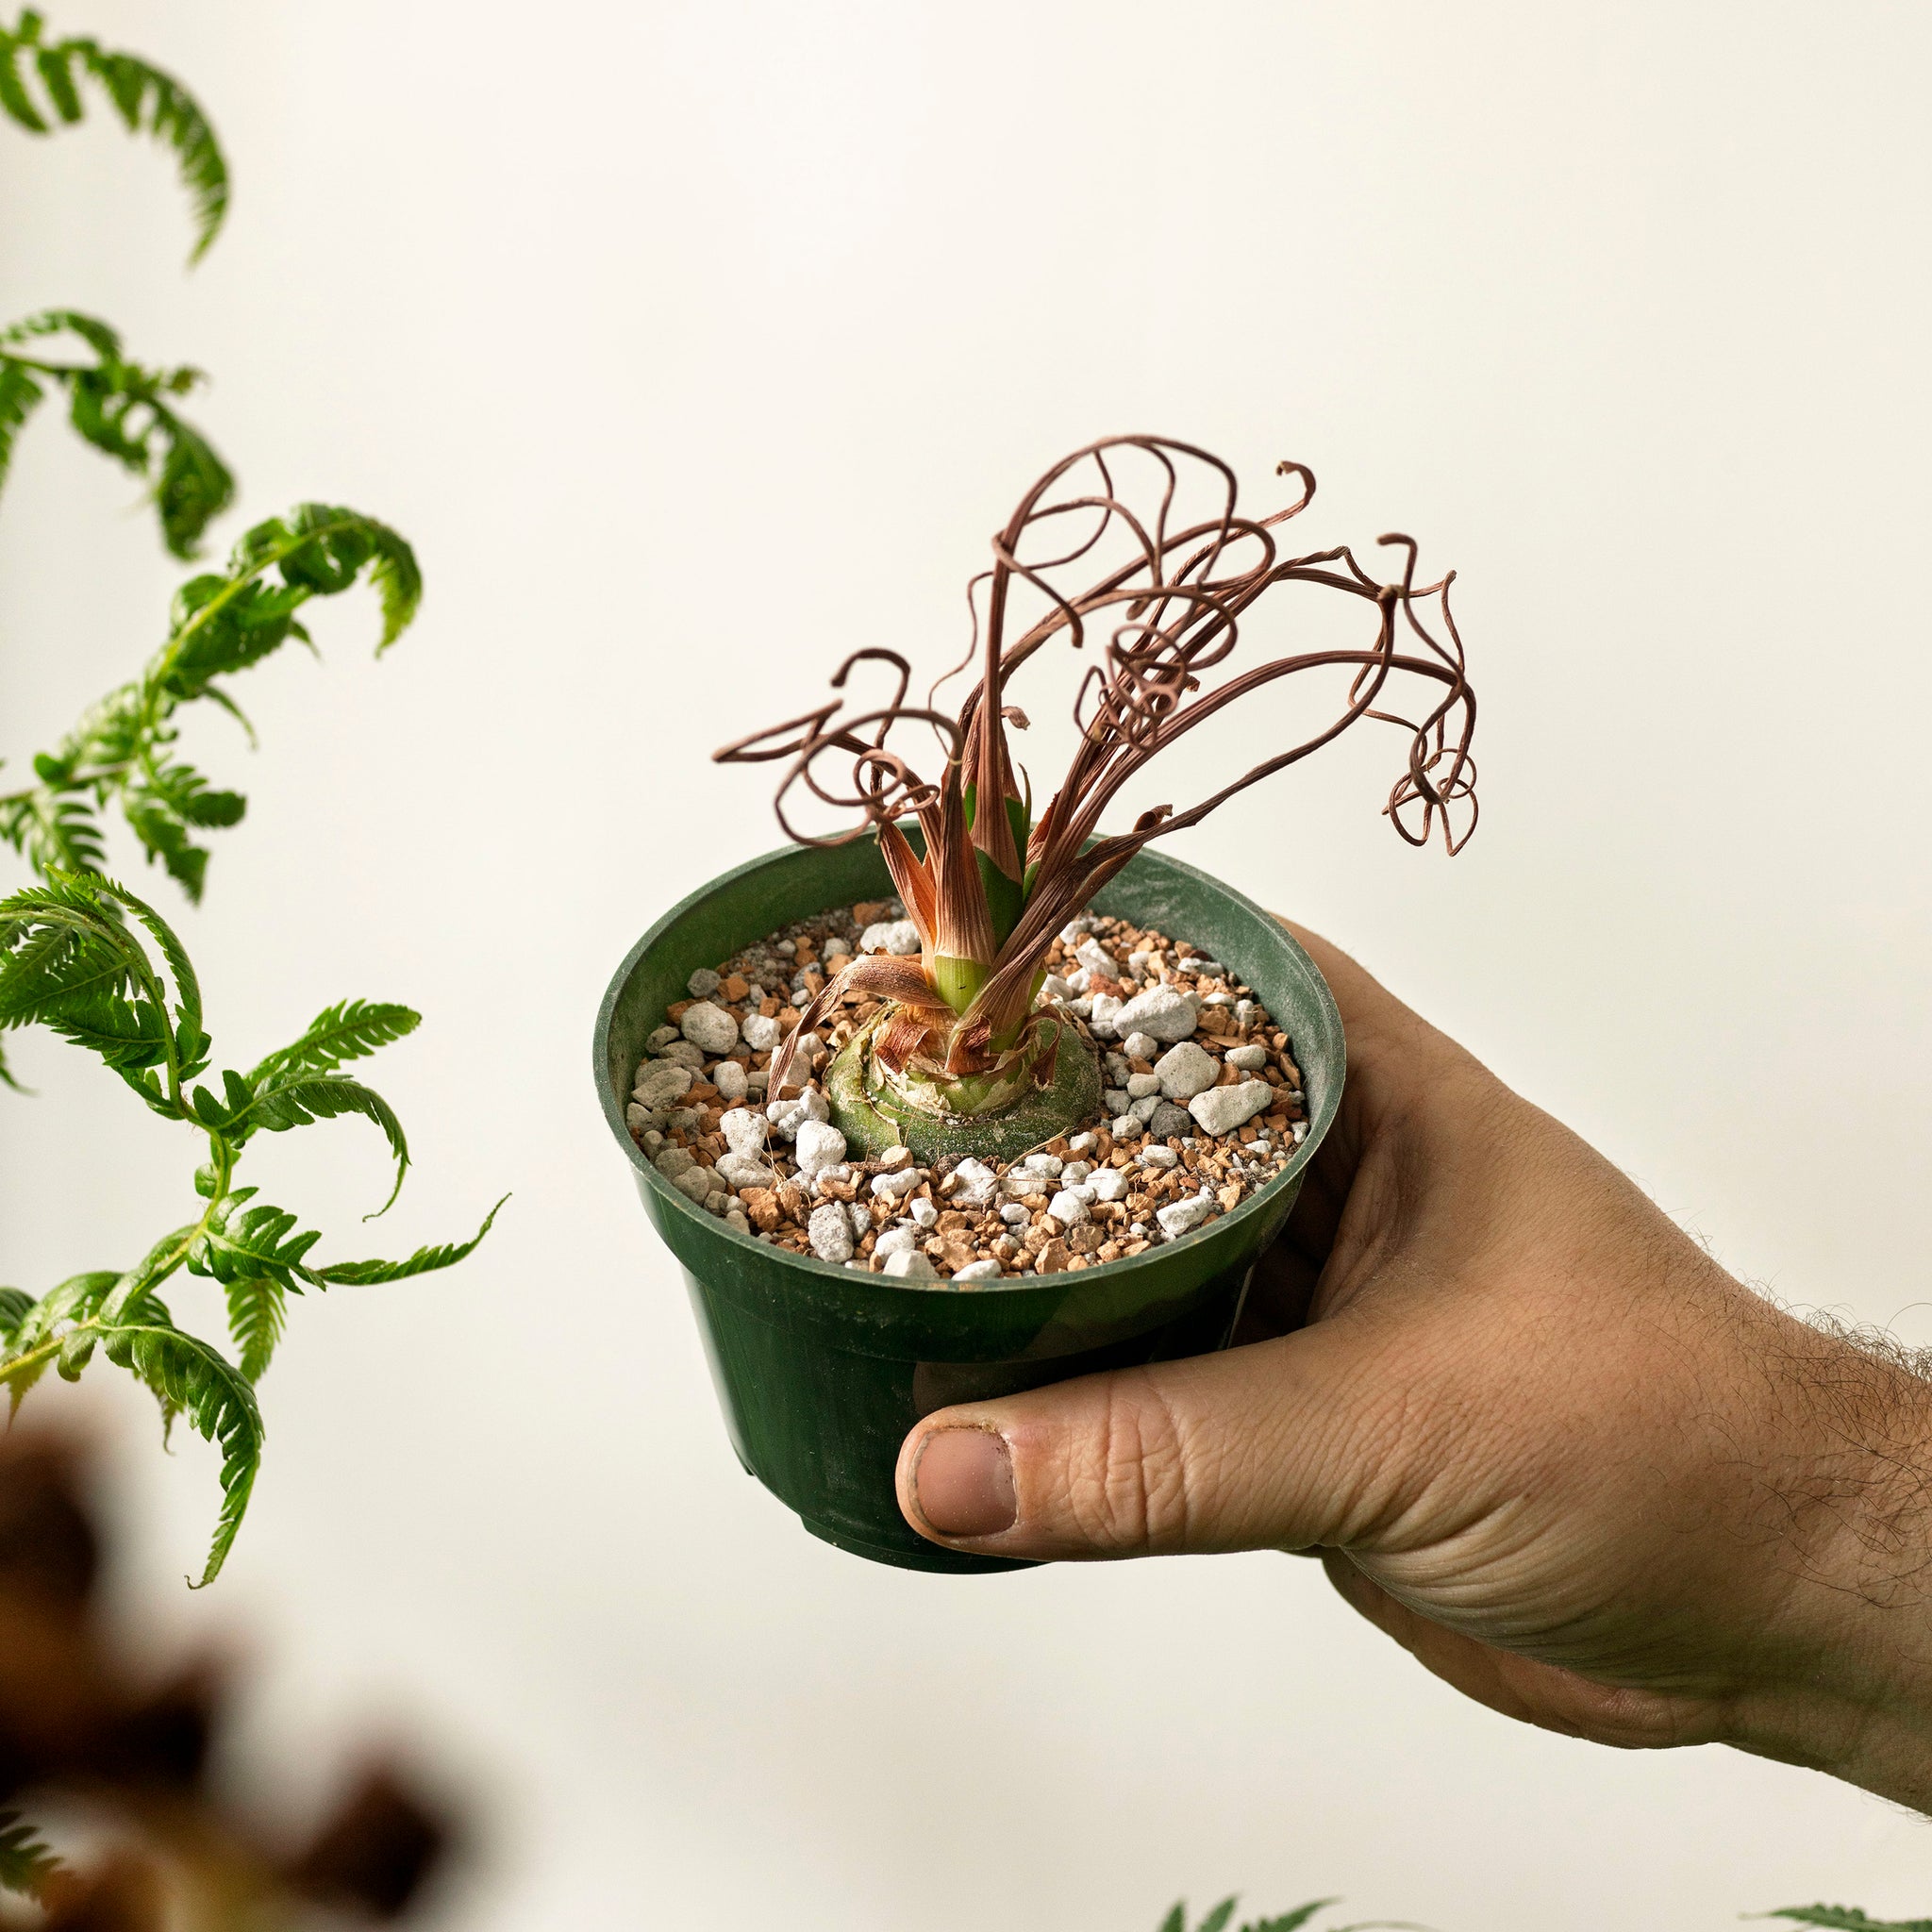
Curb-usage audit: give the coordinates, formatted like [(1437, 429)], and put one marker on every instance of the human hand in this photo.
[(1534, 1432)]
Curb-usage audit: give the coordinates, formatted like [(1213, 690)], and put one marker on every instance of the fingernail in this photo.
[(964, 1482)]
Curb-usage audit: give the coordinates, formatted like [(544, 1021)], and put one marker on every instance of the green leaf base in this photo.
[(872, 1121)]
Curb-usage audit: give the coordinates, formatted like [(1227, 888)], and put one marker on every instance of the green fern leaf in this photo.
[(349, 1031), (1290, 1922), (299, 1101), (20, 395), (14, 1303), (123, 409), (257, 1305), (147, 100), (1845, 1919), (55, 65), (424, 1261), (239, 1241), (194, 484), (40, 1328), (1218, 1917), (207, 1388), (14, 99), (1177, 1920), (25, 1863)]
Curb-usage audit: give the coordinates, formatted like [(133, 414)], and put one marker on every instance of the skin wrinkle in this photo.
[(1536, 1434)]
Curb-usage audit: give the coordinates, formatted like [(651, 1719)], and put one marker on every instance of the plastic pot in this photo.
[(821, 1370)]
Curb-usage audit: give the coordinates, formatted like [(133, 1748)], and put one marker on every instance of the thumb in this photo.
[(1263, 1447)]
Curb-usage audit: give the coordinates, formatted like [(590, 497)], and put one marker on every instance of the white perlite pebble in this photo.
[(761, 1034), (694, 1182), (710, 1027), (743, 1131), (728, 1077), (978, 1270), (1250, 1059), (1068, 1209), (787, 1116), (1141, 1085), (1104, 1016), (703, 983), (660, 1083), (898, 936), (820, 1145), (1140, 1046), (1081, 1144), (861, 1217), (1054, 988), (975, 1184), (1178, 1218), (1096, 959), (1159, 1157), (1110, 1184), (1164, 1011), (893, 1186), (1047, 1164), (830, 1233), (1014, 1215), (910, 1265), (1076, 1171), (925, 1213), (1224, 1109), (896, 1240), (1186, 1070), (745, 1170)]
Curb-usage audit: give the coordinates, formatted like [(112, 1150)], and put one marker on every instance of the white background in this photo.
[(695, 343)]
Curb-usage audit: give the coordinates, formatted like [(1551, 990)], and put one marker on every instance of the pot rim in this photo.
[(714, 1225)]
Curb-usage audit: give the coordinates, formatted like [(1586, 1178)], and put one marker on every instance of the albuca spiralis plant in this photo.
[(85, 957), (1108, 554)]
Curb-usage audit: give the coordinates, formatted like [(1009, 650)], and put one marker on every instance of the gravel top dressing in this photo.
[(1202, 1104)]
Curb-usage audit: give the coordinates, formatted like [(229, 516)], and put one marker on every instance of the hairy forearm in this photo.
[(1855, 1493)]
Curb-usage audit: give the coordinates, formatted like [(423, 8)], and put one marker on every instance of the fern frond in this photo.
[(199, 1382), (1218, 1918), (349, 1031), (257, 1305), (299, 1101), (424, 1261), (1290, 1922), (222, 623), (1845, 1919), (40, 1330), (25, 1861), (54, 828), (123, 409), (147, 100), (14, 1303), (238, 1240), (15, 101), (20, 395)]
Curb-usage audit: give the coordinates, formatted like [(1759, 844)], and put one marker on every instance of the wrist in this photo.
[(1850, 1689)]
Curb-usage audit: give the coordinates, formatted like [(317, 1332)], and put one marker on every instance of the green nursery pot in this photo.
[(821, 1370)]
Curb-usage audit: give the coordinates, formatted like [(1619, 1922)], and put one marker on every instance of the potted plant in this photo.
[(959, 1096)]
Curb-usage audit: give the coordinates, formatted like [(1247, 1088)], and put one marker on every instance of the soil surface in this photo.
[(1204, 1104)]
